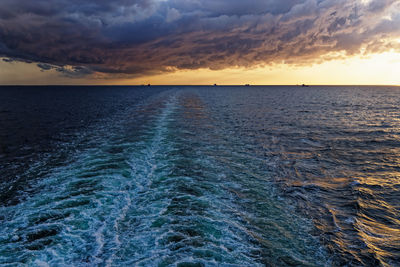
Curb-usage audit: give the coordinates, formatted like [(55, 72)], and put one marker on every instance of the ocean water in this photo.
[(199, 176)]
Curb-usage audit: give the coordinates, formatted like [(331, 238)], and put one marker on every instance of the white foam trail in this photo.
[(146, 168), (88, 221), (141, 206)]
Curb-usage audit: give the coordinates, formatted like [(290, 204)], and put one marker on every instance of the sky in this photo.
[(200, 42)]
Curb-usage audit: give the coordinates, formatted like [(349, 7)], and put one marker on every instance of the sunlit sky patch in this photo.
[(199, 42)]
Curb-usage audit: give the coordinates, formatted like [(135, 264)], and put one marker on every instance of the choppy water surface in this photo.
[(200, 176)]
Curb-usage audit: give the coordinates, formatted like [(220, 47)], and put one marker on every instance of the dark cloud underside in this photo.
[(150, 36)]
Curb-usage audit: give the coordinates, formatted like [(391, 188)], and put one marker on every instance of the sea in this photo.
[(199, 176)]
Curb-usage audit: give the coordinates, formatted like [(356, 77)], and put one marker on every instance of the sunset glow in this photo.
[(375, 69), (188, 42)]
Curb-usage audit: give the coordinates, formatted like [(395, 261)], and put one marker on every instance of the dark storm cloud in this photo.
[(45, 66), (78, 37)]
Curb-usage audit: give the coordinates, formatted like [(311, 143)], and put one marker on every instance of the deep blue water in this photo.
[(199, 176)]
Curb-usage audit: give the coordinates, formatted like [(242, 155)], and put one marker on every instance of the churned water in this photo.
[(199, 176)]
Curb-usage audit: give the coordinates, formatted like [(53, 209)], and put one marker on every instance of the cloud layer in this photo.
[(135, 37)]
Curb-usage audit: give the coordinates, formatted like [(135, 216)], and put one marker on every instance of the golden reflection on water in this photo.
[(352, 207), (374, 220)]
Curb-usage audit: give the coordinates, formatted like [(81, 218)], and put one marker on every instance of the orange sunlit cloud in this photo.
[(192, 42), (372, 70)]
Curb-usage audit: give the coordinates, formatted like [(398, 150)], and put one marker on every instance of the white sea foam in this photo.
[(148, 204)]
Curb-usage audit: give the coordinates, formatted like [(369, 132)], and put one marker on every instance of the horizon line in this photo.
[(194, 85)]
